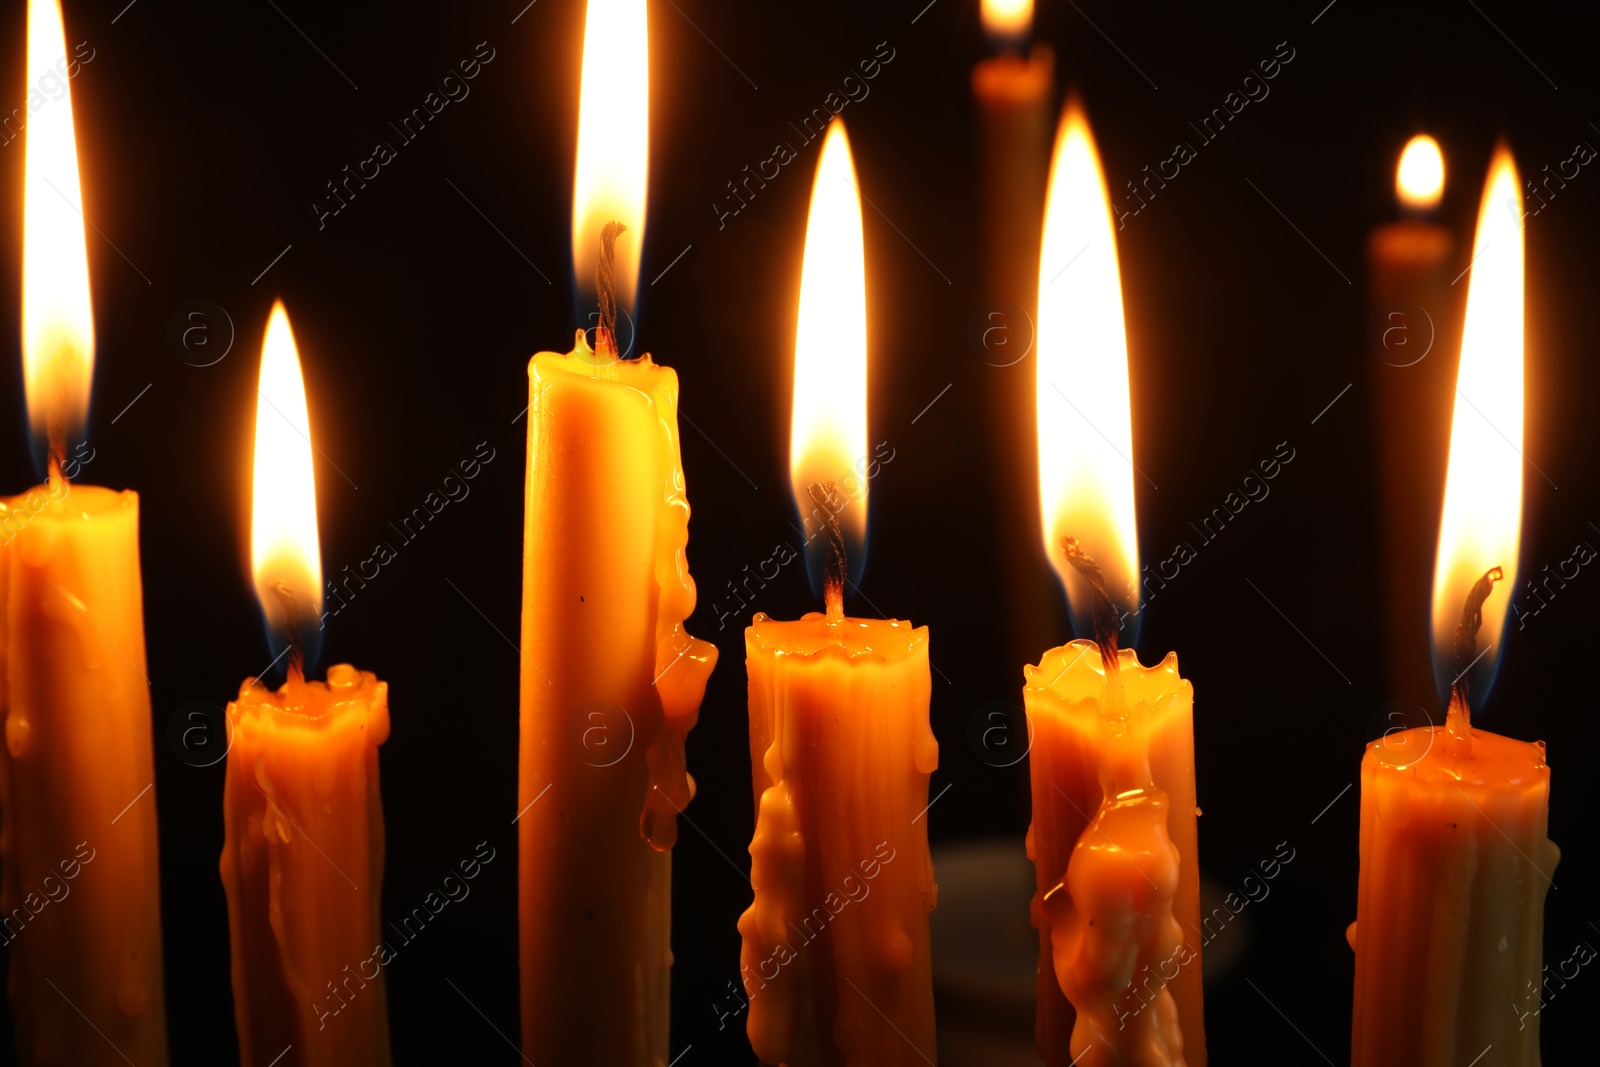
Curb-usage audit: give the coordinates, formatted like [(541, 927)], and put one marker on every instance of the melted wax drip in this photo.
[(683, 662), (1112, 927)]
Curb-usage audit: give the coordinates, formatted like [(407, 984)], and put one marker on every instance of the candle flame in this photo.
[(1481, 523), (828, 424), (1419, 179), (57, 318), (1083, 409), (1007, 20), (613, 146), (285, 557)]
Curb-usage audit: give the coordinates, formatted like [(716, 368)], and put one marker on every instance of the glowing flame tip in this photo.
[(1008, 20), (1419, 179)]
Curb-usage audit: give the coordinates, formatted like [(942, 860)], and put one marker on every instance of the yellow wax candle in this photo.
[(1113, 838), (302, 854), (80, 894), (1455, 864), (835, 960), (611, 681), (1115, 846), (1455, 861), (302, 862), (611, 685)]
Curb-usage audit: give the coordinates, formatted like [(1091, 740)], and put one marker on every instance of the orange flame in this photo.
[(828, 424), (1481, 525), (1009, 20), (613, 144), (57, 318), (284, 553), (1419, 179), (1084, 412)]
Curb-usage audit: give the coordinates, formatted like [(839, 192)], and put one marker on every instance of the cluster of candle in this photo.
[(836, 954)]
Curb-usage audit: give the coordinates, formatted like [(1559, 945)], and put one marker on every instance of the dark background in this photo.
[(206, 134)]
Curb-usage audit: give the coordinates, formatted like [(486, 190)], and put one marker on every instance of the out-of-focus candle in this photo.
[(1455, 859), (1413, 339), (80, 901), (836, 962), (1014, 94), (302, 855), (611, 681), (1113, 839)]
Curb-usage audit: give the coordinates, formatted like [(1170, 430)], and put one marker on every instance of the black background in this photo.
[(206, 134)]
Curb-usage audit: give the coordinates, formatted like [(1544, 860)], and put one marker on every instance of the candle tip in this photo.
[(833, 573), (1103, 611), (605, 282)]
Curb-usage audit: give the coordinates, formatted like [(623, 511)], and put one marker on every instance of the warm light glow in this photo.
[(1482, 520), (283, 520), (613, 144), (1083, 411), (1007, 19), (828, 426), (1419, 180), (57, 320)]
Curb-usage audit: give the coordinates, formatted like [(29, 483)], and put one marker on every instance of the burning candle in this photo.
[(1413, 332), (611, 681), (1114, 839), (1408, 258), (1455, 860), (80, 895), (835, 960), (302, 854), (1014, 97)]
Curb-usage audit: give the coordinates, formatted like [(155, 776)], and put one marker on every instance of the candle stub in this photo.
[(302, 862)]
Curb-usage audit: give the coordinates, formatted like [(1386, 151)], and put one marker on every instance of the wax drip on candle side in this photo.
[(1107, 928), (1458, 720), (833, 568), (683, 661)]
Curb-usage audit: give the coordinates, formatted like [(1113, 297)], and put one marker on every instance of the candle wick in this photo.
[(55, 434), (605, 283), (56, 477), (833, 568), (1459, 718), (1102, 610), (296, 669)]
